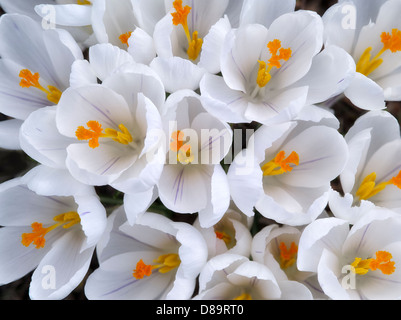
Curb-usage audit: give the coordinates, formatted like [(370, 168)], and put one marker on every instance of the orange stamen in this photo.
[(32, 80), (280, 164), (125, 37), (287, 256)]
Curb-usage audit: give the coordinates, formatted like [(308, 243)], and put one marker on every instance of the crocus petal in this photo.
[(41, 140), (177, 73), (264, 12), (67, 14), (9, 134), (184, 188), (365, 93), (68, 264), (329, 233)]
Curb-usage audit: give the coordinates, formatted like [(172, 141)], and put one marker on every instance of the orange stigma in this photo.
[(180, 17), (280, 164), (277, 53), (37, 236), (95, 132), (382, 262), (125, 37), (366, 65), (164, 264), (32, 80), (288, 256)]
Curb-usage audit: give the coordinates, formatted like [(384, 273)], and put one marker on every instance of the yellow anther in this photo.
[(184, 153), (37, 236), (244, 296), (83, 2), (32, 80), (95, 132), (366, 65), (125, 37), (223, 236), (368, 187), (382, 262), (180, 16), (280, 164), (165, 263), (277, 53)]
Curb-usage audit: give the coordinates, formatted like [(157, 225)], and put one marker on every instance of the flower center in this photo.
[(277, 53), (366, 65), (280, 164), (288, 256), (180, 17), (83, 2), (223, 236), (164, 264), (125, 37), (37, 236), (244, 296), (95, 132), (382, 262), (32, 80), (368, 187), (184, 154)]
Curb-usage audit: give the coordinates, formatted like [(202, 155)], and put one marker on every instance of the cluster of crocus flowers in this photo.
[(195, 150)]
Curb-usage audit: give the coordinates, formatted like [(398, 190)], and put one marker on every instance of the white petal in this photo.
[(221, 101), (365, 93), (105, 163), (184, 188), (16, 101), (9, 134), (328, 274), (77, 106), (16, 259), (318, 165), (242, 49), (212, 46), (177, 73), (49, 182), (141, 46), (220, 199), (41, 140), (327, 233), (264, 12), (330, 74), (82, 74), (66, 14), (106, 59), (68, 264), (136, 204)]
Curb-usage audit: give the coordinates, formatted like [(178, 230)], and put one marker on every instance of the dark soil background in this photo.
[(16, 163)]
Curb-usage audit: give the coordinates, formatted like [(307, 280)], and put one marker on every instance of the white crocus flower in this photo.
[(235, 277), (277, 248), (229, 235), (286, 171), (127, 24), (153, 260), (35, 69), (372, 175), (269, 72), (193, 179), (361, 262), (39, 136), (114, 128), (188, 41), (370, 31), (51, 223)]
